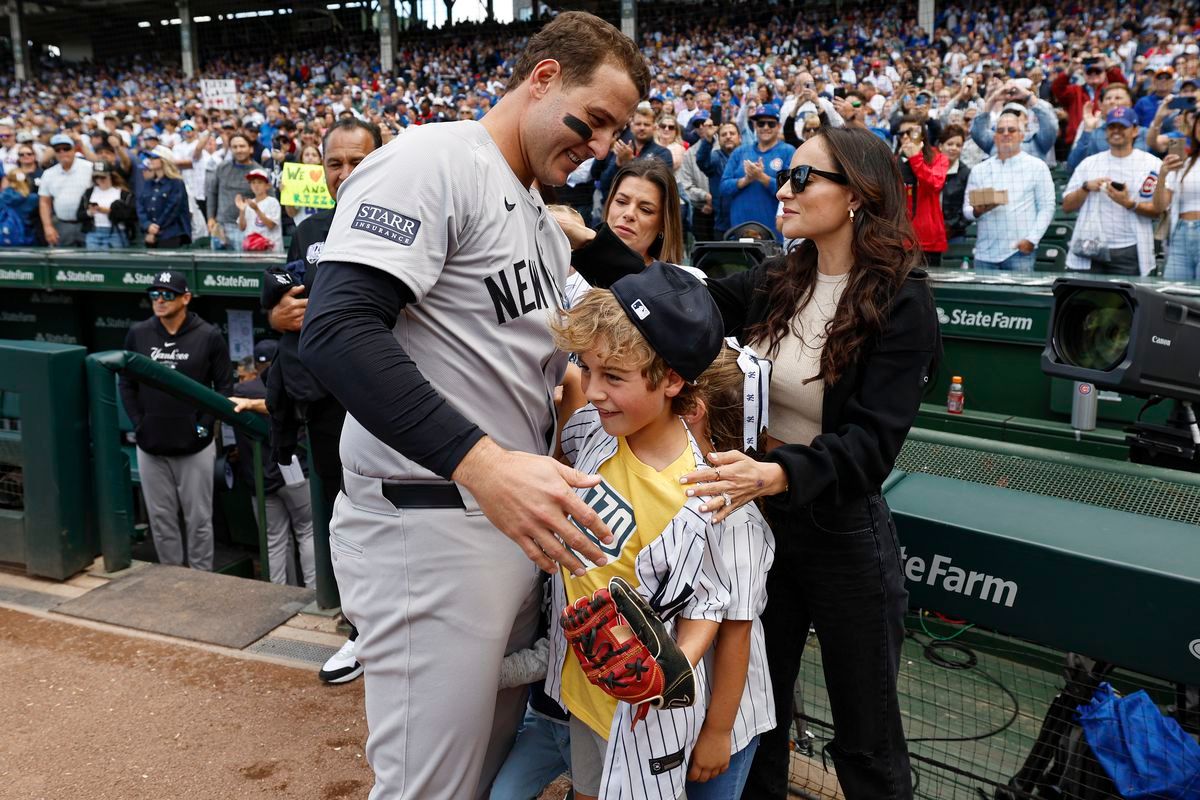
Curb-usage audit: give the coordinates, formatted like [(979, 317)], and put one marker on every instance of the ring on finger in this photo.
[(727, 498), (718, 472)]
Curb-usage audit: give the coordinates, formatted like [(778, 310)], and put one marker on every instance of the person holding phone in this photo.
[(1041, 125), (923, 169), (1172, 121), (1178, 190), (1160, 94), (1076, 98), (1113, 192)]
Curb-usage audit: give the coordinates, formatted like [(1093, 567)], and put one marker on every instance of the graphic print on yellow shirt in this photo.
[(638, 502)]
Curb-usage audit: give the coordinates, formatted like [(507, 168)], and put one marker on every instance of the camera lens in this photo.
[(1092, 329)]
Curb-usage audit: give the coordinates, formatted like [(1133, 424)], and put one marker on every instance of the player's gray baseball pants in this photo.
[(172, 482), (439, 597), (289, 513)]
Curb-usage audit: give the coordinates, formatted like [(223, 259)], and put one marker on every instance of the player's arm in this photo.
[(731, 663), (347, 343)]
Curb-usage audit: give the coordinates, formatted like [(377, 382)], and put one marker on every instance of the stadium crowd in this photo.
[(984, 113)]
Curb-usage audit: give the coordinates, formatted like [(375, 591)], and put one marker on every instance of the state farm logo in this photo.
[(992, 320)]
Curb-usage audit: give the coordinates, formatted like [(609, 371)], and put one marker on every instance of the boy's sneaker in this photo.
[(342, 666)]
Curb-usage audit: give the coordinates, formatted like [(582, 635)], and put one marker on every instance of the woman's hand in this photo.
[(1171, 163), (734, 479), (240, 202)]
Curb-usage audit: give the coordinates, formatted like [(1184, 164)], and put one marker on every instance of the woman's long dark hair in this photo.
[(884, 253)]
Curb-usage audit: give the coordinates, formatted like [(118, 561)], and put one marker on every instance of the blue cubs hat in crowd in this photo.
[(1121, 116), (766, 111), (674, 311)]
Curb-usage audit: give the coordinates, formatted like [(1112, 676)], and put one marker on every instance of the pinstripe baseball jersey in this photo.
[(748, 551), (441, 210), (679, 572)]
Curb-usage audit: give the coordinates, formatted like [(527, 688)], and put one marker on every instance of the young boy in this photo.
[(641, 347)]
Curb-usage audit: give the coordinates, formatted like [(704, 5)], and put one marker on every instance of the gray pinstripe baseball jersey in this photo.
[(440, 209)]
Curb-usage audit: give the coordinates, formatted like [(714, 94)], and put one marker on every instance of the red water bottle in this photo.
[(954, 400)]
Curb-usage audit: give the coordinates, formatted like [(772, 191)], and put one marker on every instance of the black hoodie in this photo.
[(164, 425)]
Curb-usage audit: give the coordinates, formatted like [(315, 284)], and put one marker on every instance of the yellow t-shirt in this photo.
[(637, 502)]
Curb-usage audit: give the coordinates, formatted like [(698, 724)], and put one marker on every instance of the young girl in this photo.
[(728, 417)]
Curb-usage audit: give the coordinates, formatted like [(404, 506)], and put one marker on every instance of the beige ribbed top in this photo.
[(795, 405)]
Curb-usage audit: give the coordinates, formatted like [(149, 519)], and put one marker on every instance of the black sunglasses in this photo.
[(766, 123), (799, 177), (62, 148), (163, 294)]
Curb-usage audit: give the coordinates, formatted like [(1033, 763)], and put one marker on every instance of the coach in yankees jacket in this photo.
[(175, 448)]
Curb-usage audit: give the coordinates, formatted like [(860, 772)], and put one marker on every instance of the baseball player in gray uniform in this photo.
[(429, 323)]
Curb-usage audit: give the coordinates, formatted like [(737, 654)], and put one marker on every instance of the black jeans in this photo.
[(838, 568)]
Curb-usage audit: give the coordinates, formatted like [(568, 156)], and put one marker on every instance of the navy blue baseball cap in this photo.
[(675, 313), (170, 279), (265, 351)]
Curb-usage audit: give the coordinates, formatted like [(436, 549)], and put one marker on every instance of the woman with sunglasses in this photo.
[(162, 202), (666, 133), (107, 211), (924, 169), (18, 204), (851, 325)]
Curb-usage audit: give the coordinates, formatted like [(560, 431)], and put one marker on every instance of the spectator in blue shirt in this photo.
[(1016, 97), (163, 204), (712, 160), (1147, 107), (748, 185)]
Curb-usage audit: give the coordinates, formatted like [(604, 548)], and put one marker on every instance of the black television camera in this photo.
[(1138, 340)]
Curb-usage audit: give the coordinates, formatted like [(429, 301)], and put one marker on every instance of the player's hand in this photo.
[(732, 480), (288, 313), (528, 498), (710, 756)]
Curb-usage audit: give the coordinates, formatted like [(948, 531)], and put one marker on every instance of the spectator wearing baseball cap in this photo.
[(175, 449), (60, 192), (1160, 88), (107, 212), (748, 185), (1113, 192), (1077, 98), (260, 217), (162, 202)]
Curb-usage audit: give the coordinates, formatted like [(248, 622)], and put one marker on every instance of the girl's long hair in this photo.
[(884, 253)]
